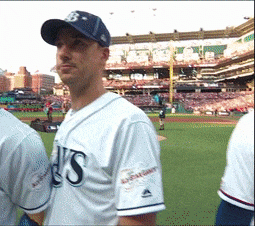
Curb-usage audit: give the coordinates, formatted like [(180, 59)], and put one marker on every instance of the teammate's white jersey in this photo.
[(106, 163), (24, 169), (237, 185)]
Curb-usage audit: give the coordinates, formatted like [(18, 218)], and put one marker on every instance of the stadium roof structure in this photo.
[(229, 32)]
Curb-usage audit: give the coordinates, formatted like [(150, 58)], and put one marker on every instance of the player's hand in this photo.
[(31, 219)]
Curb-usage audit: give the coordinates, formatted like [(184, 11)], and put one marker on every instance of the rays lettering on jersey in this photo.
[(68, 165)]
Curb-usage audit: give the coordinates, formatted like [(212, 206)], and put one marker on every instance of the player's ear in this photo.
[(105, 53)]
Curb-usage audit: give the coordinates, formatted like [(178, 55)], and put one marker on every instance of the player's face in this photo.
[(80, 61)]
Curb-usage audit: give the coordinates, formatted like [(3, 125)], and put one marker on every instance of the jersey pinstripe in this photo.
[(24, 169), (105, 163)]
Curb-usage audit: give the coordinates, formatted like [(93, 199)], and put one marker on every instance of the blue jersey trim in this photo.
[(140, 207), (235, 199), (36, 207)]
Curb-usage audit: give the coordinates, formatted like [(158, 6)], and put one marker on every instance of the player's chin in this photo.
[(67, 78)]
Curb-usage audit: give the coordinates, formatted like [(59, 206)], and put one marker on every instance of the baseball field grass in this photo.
[(193, 158)]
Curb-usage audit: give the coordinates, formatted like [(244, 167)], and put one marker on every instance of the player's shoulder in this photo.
[(248, 118), (242, 137), (12, 126), (246, 122), (124, 109)]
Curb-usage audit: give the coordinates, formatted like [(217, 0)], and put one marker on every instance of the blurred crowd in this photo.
[(223, 101), (141, 100), (200, 102)]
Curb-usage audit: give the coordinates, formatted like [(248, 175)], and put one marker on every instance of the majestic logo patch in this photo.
[(146, 193)]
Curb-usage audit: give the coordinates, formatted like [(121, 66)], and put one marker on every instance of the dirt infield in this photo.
[(216, 120), (219, 120), (29, 119)]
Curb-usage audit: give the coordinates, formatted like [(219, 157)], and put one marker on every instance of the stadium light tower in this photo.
[(171, 71), (154, 10), (111, 13)]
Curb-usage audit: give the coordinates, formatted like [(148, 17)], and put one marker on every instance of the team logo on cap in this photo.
[(72, 17), (103, 38)]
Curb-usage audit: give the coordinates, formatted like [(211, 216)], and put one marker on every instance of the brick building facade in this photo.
[(23, 79), (2, 83), (42, 82), (9, 81)]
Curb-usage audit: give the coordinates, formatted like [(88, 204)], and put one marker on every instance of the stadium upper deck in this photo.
[(229, 32), (229, 55)]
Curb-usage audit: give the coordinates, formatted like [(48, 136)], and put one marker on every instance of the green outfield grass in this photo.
[(35, 114), (193, 160), (179, 115)]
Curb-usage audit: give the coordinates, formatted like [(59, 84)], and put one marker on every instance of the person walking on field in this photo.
[(162, 117), (106, 156), (49, 110), (65, 108)]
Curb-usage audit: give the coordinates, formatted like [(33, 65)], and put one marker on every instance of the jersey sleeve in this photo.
[(139, 178), (28, 175), (237, 185)]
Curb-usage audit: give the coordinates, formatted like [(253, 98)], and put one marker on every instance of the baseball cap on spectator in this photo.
[(91, 26)]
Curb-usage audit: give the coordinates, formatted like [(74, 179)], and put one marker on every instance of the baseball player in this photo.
[(49, 110), (237, 185), (162, 117), (65, 108), (25, 175), (106, 157)]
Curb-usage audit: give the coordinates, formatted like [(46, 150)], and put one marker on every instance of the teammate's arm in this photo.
[(229, 214), (31, 219), (145, 219)]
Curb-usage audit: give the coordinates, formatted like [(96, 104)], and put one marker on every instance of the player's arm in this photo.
[(33, 192), (145, 219)]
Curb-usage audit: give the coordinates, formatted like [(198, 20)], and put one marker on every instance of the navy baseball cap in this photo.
[(91, 26)]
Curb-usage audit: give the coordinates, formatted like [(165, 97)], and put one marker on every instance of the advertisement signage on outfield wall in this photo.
[(7, 99), (28, 107)]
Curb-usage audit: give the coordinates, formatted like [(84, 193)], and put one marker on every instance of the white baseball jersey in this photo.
[(237, 185), (25, 173), (105, 163)]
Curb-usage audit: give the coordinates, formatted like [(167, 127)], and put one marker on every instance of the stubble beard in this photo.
[(78, 84)]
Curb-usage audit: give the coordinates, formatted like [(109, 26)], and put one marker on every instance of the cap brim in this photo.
[(50, 28)]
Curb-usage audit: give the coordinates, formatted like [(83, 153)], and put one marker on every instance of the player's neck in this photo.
[(81, 98)]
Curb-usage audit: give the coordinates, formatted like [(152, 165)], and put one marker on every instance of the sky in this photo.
[(20, 23)]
